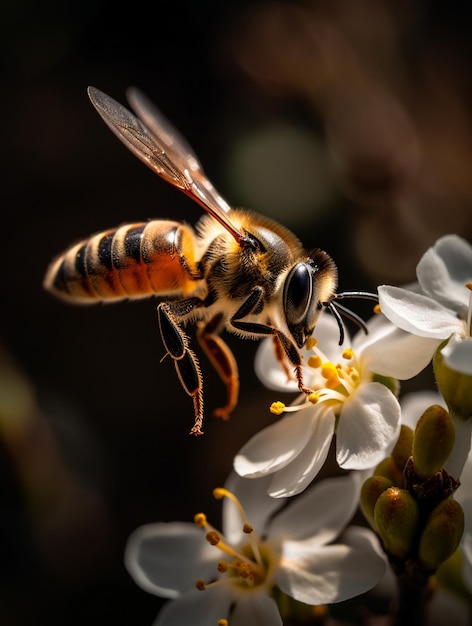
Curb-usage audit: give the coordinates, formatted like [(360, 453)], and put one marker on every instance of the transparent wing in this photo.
[(154, 140)]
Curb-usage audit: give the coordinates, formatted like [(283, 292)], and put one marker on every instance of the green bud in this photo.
[(433, 441), (441, 535), (370, 492), (389, 469), (403, 448), (456, 388), (396, 517)]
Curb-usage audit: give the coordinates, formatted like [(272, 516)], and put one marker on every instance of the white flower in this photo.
[(263, 546), (439, 306), (347, 400)]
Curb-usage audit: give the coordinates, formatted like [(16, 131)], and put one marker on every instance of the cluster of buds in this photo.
[(409, 500)]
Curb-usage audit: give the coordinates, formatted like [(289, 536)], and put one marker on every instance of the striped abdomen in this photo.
[(132, 261)]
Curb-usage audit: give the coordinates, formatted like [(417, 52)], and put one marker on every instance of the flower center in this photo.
[(330, 383), (247, 566)]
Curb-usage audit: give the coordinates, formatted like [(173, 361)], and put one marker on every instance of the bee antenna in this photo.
[(350, 315), (335, 313), (337, 310), (362, 295)]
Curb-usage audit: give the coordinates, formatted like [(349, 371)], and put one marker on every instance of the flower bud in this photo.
[(441, 535), (433, 441), (370, 492), (396, 516), (403, 448), (455, 387), (389, 469)]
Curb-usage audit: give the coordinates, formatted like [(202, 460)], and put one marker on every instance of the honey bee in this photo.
[(236, 270)]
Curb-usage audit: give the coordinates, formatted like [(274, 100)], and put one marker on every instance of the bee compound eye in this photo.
[(298, 292)]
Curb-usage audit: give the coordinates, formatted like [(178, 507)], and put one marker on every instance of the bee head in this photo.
[(309, 285)]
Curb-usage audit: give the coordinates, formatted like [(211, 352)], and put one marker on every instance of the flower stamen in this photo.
[(251, 570)]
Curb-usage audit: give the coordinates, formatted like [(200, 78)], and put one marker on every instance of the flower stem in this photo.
[(414, 595)]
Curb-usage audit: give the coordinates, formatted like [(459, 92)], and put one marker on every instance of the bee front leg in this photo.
[(185, 361), (291, 351), (223, 361)]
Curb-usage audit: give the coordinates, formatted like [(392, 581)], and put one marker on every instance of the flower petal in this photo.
[(197, 608), (368, 427), (277, 445), (389, 351), (333, 573), (258, 506), (444, 270), (297, 475), (253, 609), (417, 313), (269, 370), (167, 558), (458, 354), (335, 501)]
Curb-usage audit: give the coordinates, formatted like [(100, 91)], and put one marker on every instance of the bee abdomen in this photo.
[(132, 261)]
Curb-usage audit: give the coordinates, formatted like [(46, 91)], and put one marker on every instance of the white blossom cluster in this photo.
[(284, 532)]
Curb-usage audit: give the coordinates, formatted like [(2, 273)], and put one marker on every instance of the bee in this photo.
[(235, 271)]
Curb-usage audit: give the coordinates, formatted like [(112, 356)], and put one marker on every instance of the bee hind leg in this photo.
[(185, 361), (222, 359)]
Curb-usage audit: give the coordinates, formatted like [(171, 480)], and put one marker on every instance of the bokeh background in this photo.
[(351, 123)]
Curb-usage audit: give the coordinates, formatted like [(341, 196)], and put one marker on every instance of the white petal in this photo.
[(328, 574), (277, 445), (269, 370), (455, 256), (258, 506), (297, 475), (368, 427), (167, 559), (334, 499), (197, 608), (417, 313), (255, 609), (458, 354), (389, 351), (435, 278)]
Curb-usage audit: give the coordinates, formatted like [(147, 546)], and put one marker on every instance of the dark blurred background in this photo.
[(351, 123)]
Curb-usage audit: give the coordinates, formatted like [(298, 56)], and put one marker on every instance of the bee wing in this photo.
[(154, 141)]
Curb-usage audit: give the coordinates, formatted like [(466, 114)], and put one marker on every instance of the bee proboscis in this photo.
[(236, 270)]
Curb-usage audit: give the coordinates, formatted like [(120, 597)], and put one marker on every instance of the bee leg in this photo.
[(223, 361), (282, 357), (185, 361), (291, 351)]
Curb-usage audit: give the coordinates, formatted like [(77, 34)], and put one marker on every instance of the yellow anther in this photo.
[(314, 361), (277, 408), (328, 370), (310, 343), (247, 529), (222, 567), (213, 538), (200, 520), (223, 622), (469, 286), (348, 354), (376, 309), (200, 584), (219, 493), (313, 397)]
